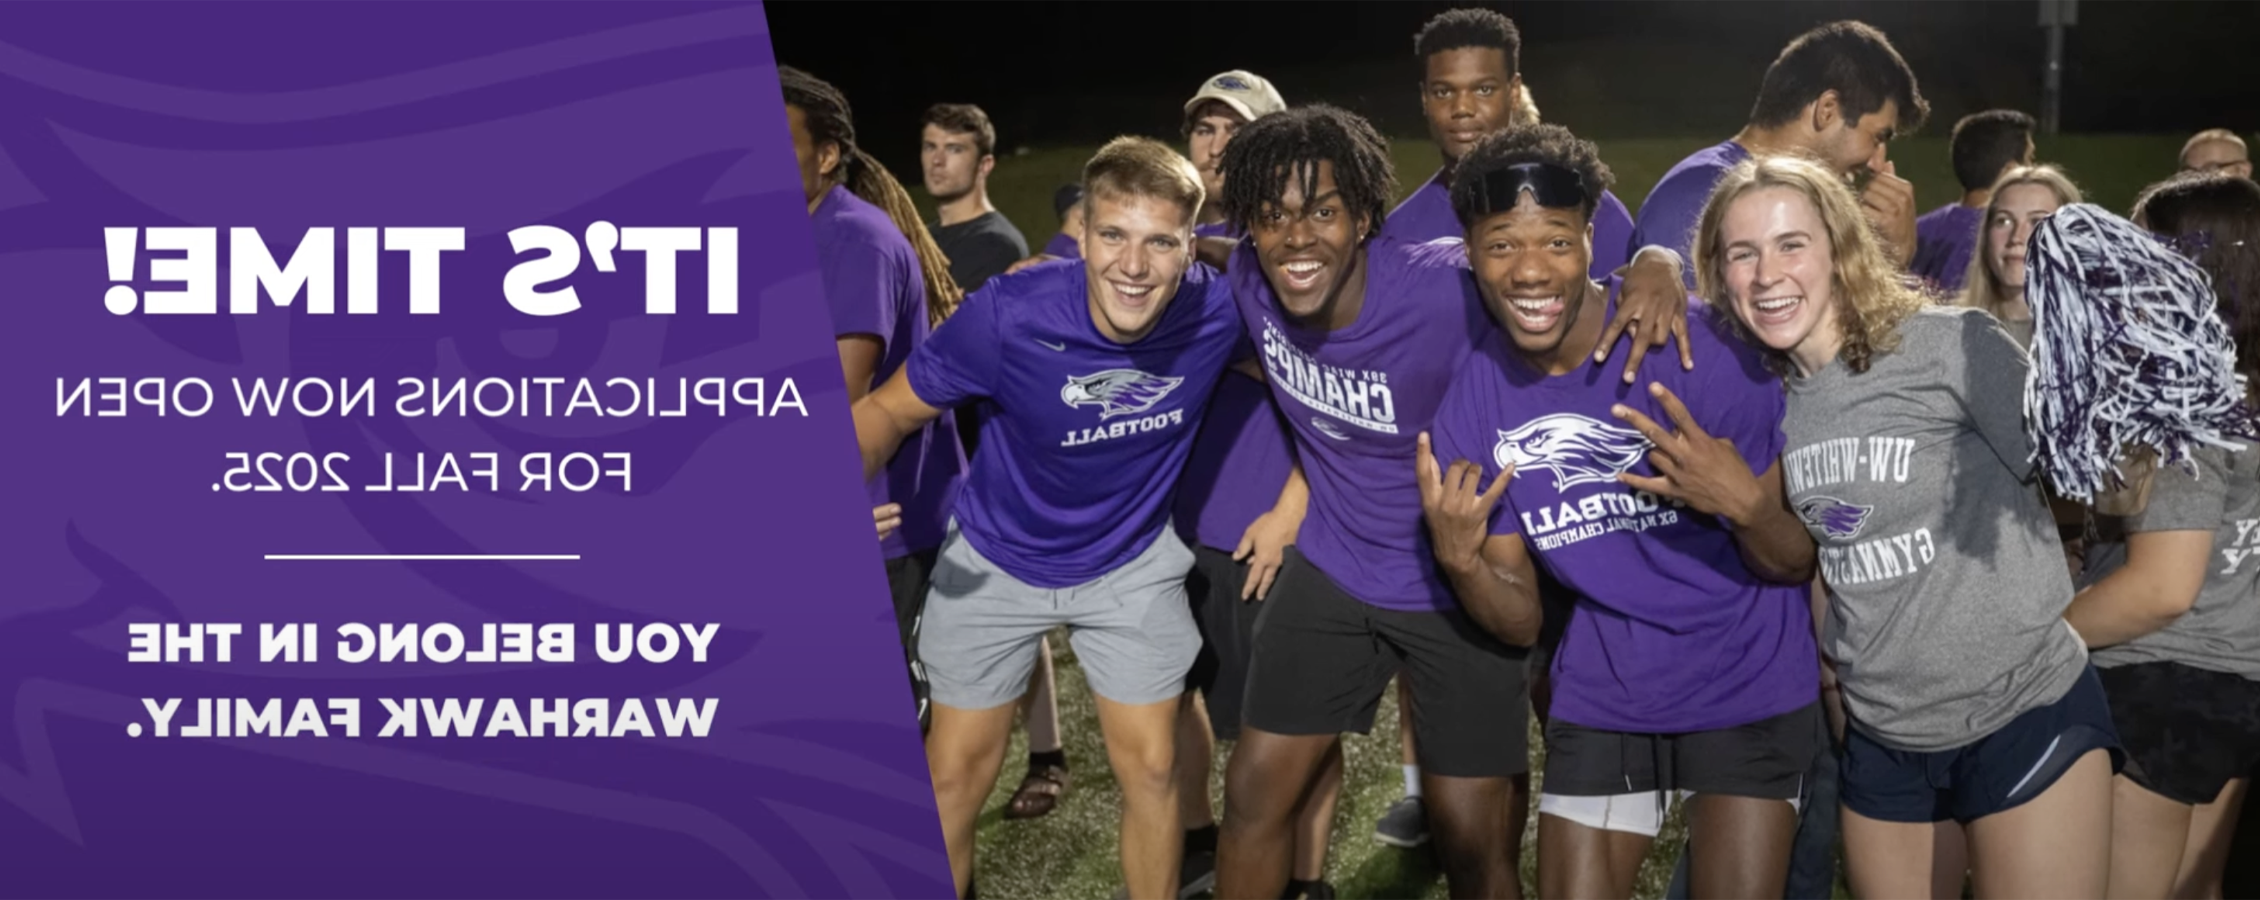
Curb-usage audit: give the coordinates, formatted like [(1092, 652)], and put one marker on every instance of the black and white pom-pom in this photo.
[(2127, 354)]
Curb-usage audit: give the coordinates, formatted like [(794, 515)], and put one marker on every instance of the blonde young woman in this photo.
[(2022, 197), (1974, 717)]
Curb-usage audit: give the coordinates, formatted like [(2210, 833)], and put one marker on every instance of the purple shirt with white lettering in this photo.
[(1669, 215), (1086, 437), (1672, 633), (872, 281), (1427, 215), (1944, 239), (1357, 399)]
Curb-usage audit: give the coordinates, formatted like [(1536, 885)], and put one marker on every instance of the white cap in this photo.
[(1244, 91)]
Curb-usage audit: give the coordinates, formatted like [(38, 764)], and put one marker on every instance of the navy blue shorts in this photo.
[(1997, 773)]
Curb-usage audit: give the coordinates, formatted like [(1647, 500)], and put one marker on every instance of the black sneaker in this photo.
[(1310, 890), (1404, 825)]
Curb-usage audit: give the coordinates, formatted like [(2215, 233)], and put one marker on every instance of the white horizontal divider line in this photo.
[(387, 557)]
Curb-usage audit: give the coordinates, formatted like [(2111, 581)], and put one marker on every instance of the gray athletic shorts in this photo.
[(1132, 629)]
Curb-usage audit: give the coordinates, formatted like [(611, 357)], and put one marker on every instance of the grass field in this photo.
[(2110, 168)]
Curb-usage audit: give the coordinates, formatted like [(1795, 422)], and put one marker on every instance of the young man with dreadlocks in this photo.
[(1097, 373), (1471, 86), (1358, 336), (1689, 665), (887, 284)]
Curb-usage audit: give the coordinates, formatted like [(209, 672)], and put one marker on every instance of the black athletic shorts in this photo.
[(1228, 634), (2187, 731), (1322, 660), (1766, 759), (1996, 773), (908, 578)]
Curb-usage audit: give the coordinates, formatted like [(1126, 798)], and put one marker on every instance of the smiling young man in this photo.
[(1358, 337), (1471, 86), (1689, 663), (1837, 94), (1098, 373)]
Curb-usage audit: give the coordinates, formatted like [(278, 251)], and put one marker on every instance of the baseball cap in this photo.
[(1067, 195), (1244, 91)]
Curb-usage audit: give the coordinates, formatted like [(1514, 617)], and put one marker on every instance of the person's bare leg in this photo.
[(2056, 845), (1042, 702), (1141, 744), (964, 752), (1314, 817), (1739, 846), (1577, 862), (2148, 833), (1467, 820), (1949, 860), (1888, 859), (1196, 747), (2206, 857), (1267, 778)]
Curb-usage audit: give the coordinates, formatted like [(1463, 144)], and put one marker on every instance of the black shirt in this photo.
[(979, 248)]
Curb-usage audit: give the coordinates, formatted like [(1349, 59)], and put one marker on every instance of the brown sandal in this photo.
[(1039, 793)]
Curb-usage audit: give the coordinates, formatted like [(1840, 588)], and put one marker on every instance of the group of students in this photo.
[(1268, 440)]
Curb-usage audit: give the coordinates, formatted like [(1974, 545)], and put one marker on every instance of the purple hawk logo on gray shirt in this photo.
[(1118, 392), (1834, 517), (1578, 450)]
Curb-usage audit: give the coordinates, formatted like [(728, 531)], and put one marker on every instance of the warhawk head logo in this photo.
[(1576, 449), (1118, 392), (1327, 428), (1834, 517)]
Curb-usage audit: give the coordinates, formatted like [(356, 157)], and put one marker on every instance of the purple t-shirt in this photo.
[(1063, 247), (872, 281), (1357, 399), (1944, 239), (1672, 633), (1239, 464), (1086, 437), (1675, 205), (1427, 215)]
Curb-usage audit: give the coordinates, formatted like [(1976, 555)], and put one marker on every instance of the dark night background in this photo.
[(1081, 72)]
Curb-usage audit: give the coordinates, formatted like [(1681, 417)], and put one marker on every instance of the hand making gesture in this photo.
[(1458, 511), (1706, 473)]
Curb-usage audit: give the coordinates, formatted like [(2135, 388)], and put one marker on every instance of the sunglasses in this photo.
[(1553, 186)]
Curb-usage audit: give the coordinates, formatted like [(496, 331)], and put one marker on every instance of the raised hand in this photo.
[(1457, 507), (1889, 201)]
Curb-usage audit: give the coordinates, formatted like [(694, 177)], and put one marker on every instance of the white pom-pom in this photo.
[(2128, 354)]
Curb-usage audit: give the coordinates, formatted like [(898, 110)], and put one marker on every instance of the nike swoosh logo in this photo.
[(1059, 347)]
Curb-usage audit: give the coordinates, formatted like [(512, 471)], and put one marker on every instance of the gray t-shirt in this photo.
[(1946, 579), (2020, 330), (2221, 631)]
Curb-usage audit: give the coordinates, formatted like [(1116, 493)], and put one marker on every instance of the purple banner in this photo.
[(625, 522)]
